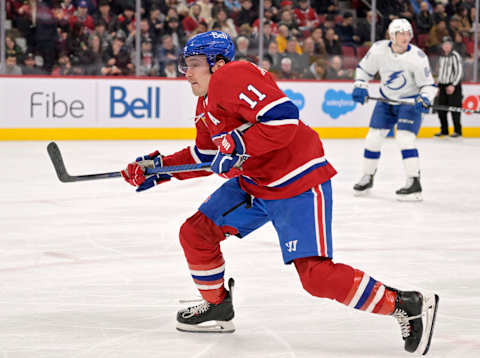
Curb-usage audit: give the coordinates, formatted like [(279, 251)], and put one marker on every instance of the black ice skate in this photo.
[(209, 317), (364, 185), (416, 315), (412, 191)]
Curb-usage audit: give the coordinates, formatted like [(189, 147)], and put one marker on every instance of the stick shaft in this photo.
[(64, 177), (435, 107)]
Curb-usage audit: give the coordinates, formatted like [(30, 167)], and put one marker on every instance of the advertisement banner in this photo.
[(165, 108)]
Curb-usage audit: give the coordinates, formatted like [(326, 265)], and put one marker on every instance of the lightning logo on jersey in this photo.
[(396, 81)]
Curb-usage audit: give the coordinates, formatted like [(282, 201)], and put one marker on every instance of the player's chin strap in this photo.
[(434, 107)]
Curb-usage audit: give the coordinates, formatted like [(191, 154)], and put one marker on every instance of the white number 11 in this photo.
[(250, 101)]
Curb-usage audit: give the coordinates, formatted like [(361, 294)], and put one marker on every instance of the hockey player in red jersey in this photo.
[(251, 132)]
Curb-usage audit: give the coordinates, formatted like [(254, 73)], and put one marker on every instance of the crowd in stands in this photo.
[(309, 39)]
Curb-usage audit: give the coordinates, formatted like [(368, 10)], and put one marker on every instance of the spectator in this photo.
[(364, 27), (170, 70), (299, 61), (270, 11), (100, 31), (316, 71), (332, 45), (242, 43), (232, 6), (435, 36), (288, 18), (206, 12), (12, 48), (283, 35), (105, 16), (346, 32), (272, 52), (10, 68), (286, 70), (77, 40), (319, 43), (190, 22), (46, 34), (30, 67), (145, 33), (167, 51), (156, 24), (225, 24), (268, 37), (63, 66), (439, 13), (125, 19), (308, 49), (307, 18), (335, 70), (459, 45), (176, 32), (247, 14), (326, 7), (117, 59), (148, 65), (416, 6), (92, 58), (82, 17), (424, 19), (329, 23)]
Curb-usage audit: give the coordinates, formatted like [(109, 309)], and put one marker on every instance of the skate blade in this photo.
[(361, 192), (429, 309), (410, 197), (207, 327)]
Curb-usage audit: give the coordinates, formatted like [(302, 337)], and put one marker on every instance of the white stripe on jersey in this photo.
[(271, 105), (280, 122), (297, 171)]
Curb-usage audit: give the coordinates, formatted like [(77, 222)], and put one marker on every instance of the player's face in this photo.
[(198, 74), (402, 39)]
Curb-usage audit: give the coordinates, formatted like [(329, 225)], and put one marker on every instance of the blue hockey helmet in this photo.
[(211, 44)]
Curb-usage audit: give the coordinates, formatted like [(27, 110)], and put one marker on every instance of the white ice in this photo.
[(94, 269)]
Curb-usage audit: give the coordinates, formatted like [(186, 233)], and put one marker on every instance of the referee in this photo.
[(450, 74)]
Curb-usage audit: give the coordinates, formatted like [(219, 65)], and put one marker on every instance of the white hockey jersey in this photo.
[(403, 76)]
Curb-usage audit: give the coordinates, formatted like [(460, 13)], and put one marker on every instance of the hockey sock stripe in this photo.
[(217, 262), (357, 279), (409, 153), (210, 287), (204, 273), (378, 296), (366, 292)]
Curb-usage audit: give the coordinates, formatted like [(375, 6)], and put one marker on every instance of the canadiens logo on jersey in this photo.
[(396, 81)]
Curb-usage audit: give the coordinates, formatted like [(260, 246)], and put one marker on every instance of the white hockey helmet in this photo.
[(399, 25)]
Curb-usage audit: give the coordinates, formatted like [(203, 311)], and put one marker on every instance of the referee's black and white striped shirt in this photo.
[(450, 70)]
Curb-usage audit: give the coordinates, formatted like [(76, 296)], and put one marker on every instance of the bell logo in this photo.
[(121, 106)]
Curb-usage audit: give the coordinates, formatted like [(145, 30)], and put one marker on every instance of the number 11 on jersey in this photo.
[(252, 103)]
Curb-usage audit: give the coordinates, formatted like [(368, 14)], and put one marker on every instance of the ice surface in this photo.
[(94, 269)]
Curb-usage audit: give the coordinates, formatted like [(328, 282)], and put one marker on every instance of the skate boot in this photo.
[(209, 317), (416, 315), (364, 185), (412, 191)]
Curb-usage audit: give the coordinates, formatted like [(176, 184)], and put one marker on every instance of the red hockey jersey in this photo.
[(286, 156)]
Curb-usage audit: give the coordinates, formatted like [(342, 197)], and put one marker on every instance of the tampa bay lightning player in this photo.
[(405, 76)]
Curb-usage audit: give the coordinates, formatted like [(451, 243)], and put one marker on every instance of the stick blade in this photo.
[(58, 164)]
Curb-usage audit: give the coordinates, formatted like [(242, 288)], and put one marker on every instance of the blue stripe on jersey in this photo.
[(296, 177), (409, 153), (203, 157), (360, 67), (366, 293), (371, 155), (285, 110), (214, 277)]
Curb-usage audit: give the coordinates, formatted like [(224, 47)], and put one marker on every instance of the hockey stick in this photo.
[(64, 177), (435, 107)]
